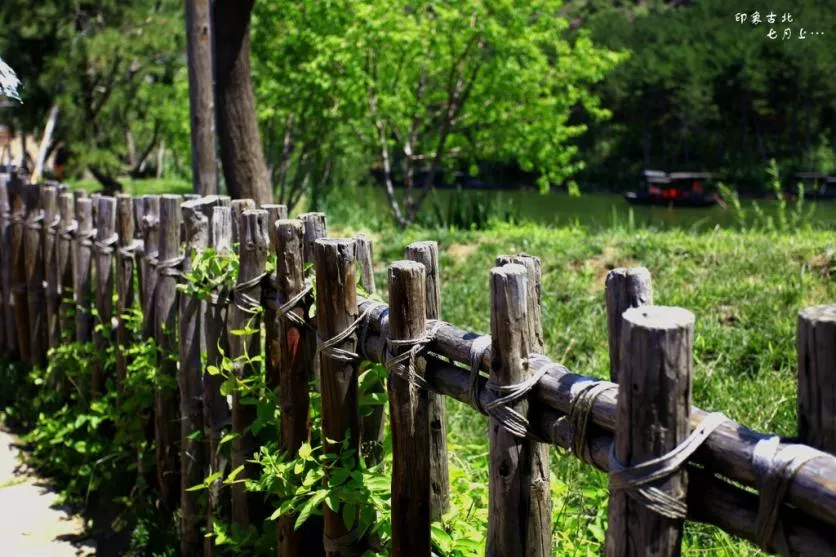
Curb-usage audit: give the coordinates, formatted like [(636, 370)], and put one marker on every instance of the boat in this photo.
[(677, 189)]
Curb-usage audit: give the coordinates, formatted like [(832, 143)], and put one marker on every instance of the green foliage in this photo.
[(477, 211)]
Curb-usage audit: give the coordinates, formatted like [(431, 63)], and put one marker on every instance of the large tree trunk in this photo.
[(243, 159), (201, 96)]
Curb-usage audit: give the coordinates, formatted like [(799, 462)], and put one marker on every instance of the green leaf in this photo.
[(349, 514), (309, 506)]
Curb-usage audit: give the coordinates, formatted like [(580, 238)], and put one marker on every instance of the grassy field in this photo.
[(745, 286)]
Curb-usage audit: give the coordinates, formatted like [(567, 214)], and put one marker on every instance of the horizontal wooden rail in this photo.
[(727, 451)]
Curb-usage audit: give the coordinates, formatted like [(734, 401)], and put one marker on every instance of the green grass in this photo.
[(745, 289), (138, 187)]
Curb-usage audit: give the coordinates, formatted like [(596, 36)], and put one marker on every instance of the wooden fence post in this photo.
[(104, 247), (274, 212), (49, 203), (33, 257), (125, 260), (625, 289), (315, 228), (82, 269), (372, 426), (150, 227), (654, 402), (166, 428), (336, 310), (189, 376), (8, 316), (64, 263), (18, 270), (816, 345), (216, 414), (290, 368), (408, 411), (515, 527), (426, 253), (238, 208), (540, 502), (244, 314)]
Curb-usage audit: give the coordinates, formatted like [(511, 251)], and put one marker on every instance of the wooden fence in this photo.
[(667, 460)]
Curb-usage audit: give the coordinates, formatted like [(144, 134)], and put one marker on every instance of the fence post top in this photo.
[(510, 270), (334, 242), (822, 313), (406, 265), (659, 317)]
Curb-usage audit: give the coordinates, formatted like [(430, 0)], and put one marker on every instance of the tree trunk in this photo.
[(201, 96), (244, 168)]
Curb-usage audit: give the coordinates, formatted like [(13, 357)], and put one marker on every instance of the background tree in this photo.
[(201, 95), (245, 171)]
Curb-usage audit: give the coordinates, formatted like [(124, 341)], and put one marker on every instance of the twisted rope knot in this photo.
[(403, 364), (347, 544), (129, 251), (478, 349), (169, 267), (86, 237), (329, 348), (105, 247), (294, 302), (52, 228), (35, 222), (252, 305), (634, 479), (67, 232), (775, 466)]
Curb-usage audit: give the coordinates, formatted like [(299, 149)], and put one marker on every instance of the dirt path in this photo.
[(31, 524)]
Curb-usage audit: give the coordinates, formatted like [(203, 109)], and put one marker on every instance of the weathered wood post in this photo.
[(238, 208), (82, 270), (216, 414), (125, 262), (64, 263), (290, 367), (245, 315), (816, 345), (189, 378), (625, 289), (515, 515), (408, 411), (49, 204), (104, 246), (315, 228), (336, 310), (18, 269), (372, 425), (8, 316), (540, 509), (33, 257), (166, 427), (150, 228), (274, 212), (426, 253), (654, 402)]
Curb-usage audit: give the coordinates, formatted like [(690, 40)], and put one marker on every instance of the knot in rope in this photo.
[(35, 222), (251, 305), (105, 247), (52, 228), (775, 466), (129, 251), (66, 233), (86, 237), (169, 267), (329, 348), (294, 302), (403, 364), (499, 408), (634, 479)]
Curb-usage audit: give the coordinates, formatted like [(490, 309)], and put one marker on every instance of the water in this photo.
[(602, 210)]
